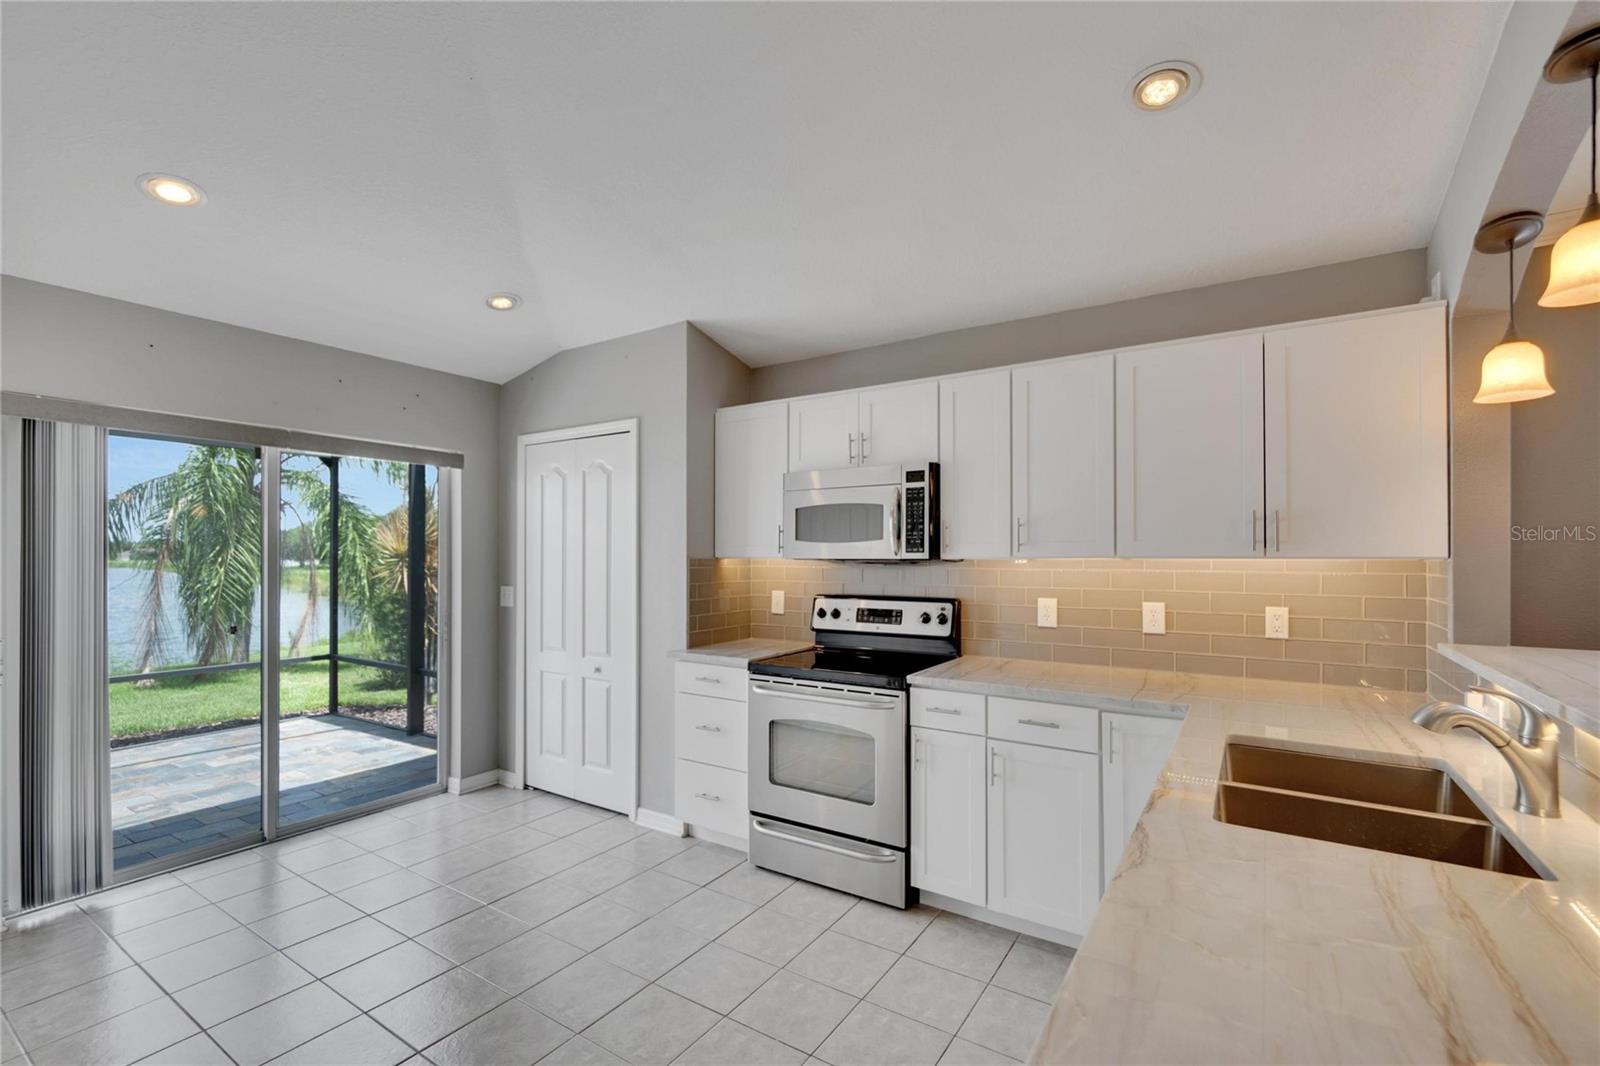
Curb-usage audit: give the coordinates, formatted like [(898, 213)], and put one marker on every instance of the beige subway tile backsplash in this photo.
[(1351, 621)]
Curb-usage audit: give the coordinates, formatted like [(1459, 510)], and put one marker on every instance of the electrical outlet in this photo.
[(508, 596), (776, 607), (1155, 617), (1278, 623), (1047, 612)]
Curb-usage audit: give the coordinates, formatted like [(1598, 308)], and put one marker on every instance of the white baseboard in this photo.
[(510, 779), (463, 785), (984, 914), (727, 840), (661, 823)]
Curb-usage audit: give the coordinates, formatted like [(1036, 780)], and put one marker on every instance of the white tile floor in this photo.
[(509, 927)]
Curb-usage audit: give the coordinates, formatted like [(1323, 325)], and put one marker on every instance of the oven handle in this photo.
[(815, 696), (766, 829)]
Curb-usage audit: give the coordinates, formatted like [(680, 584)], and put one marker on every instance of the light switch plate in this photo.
[(508, 596), (1047, 612), (1155, 617), (1278, 623), (776, 606)]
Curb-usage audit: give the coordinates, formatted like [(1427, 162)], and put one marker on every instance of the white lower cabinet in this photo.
[(713, 797), (948, 851), (1044, 834), (711, 709), (1133, 748)]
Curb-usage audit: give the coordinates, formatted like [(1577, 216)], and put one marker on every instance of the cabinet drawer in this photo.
[(712, 731), (712, 797), (958, 712), (726, 682), (1053, 725)]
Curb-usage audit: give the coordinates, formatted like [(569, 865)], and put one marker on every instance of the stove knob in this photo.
[(834, 612), (926, 617), (822, 612), (944, 619)]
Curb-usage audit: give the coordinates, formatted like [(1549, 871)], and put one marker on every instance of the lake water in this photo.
[(126, 588)]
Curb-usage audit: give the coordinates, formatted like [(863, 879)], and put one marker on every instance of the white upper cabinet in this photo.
[(1189, 451), (899, 424), (1357, 434), (975, 465), (1063, 458), (752, 453), (824, 432)]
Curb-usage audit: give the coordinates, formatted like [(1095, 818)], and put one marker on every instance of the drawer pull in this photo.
[(708, 680), (943, 710), (1041, 725), (708, 796), (709, 728)]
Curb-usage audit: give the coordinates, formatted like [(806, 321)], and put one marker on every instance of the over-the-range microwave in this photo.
[(862, 513)]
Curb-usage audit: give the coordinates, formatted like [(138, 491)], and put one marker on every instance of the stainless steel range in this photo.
[(829, 742)]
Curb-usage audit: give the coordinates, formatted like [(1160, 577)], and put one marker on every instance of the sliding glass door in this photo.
[(347, 689), (183, 647)]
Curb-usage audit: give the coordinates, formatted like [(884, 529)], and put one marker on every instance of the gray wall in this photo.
[(643, 376), (1480, 491), (1555, 476), (1341, 288), (716, 379), (63, 343)]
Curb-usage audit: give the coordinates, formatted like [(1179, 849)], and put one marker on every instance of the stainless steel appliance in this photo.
[(829, 739), (862, 512)]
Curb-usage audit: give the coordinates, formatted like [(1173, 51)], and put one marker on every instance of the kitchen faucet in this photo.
[(1532, 752)]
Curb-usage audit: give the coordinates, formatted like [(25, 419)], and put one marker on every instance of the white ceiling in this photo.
[(796, 179)]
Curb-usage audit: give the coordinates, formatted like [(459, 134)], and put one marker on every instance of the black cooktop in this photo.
[(868, 668)]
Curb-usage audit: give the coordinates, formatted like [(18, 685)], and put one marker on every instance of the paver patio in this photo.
[(172, 794)]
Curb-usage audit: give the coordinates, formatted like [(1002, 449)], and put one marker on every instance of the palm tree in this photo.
[(202, 522)]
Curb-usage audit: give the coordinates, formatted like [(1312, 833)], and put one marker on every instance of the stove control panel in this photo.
[(863, 614)]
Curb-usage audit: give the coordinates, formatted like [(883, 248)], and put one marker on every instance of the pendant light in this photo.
[(1575, 259), (1514, 369)]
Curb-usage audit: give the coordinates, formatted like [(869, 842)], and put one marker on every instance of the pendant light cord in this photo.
[(1511, 288), (1594, 123)]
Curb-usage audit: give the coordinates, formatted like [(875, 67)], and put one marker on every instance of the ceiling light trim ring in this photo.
[(148, 183), (502, 301), (1190, 84)]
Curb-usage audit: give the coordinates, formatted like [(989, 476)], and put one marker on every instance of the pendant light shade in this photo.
[(1575, 259), (1513, 370)]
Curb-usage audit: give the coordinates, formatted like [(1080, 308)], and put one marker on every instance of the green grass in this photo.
[(206, 699)]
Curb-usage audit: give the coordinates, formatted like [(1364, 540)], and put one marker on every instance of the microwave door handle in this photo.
[(897, 518)]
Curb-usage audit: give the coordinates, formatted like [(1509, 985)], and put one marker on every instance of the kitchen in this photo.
[(909, 533)]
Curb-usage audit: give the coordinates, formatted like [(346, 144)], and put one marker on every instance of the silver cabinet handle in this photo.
[(942, 710), (709, 728), (708, 796), (1037, 722), (766, 828), (994, 769), (1252, 529), (863, 447), (1019, 533), (780, 538), (852, 449), (1111, 744), (916, 751), (709, 680), (1277, 531)]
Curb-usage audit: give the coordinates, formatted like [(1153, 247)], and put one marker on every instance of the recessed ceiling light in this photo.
[(171, 190), (1165, 85), (504, 301)]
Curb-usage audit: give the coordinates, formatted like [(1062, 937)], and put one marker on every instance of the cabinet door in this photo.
[(752, 451), (1189, 461), (947, 814), (1044, 834), (1358, 448), (899, 424), (1063, 458), (975, 465), (1133, 748), (824, 432)]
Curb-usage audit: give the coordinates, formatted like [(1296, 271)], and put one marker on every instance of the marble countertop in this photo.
[(1562, 681), (1219, 943), (738, 652)]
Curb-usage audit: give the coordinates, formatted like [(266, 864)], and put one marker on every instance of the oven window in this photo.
[(828, 760), (839, 523)]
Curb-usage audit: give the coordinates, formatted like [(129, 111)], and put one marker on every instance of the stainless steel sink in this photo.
[(1405, 810)]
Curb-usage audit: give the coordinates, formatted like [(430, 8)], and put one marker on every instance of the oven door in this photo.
[(829, 757), (856, 522)]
